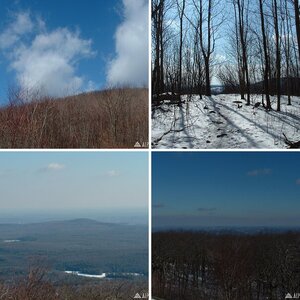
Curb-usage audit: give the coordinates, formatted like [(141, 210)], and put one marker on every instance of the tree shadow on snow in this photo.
[(251, 141)]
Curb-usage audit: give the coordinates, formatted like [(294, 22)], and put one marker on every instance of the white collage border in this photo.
[(148, 150)]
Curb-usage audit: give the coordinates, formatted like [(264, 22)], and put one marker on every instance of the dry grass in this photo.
[(115, 118)]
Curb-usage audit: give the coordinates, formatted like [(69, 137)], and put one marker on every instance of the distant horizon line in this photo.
[(120, 216), (223, 228), (93, 220)]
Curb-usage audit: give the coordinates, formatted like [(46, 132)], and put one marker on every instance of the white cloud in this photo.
[(55, 167), (259, 172), (113, 173), (47, 61), (20, 25), (52, 167), (206, 209), (130, 67)]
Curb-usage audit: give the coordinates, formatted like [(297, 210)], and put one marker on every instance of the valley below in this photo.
[(74, 250)]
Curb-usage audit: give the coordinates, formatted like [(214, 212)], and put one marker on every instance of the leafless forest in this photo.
[(115, 118), (249, 45), (203, 265), (225, 74), (35, 286)]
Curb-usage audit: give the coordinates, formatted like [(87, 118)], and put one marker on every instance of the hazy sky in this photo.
[(66, 182), (67, 46), (226, 189)]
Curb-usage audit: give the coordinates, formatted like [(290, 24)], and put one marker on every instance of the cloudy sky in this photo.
[(225, 189), (75, 183), (67, 46)]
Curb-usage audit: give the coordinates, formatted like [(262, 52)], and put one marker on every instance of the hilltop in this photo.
[(115, 118)]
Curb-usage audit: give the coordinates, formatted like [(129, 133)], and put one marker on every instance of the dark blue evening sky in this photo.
[(226, 189)]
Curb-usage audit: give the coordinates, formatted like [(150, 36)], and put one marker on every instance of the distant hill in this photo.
[(292, 83), (81, 245), (287, 84), (116, 118), (217, 89)]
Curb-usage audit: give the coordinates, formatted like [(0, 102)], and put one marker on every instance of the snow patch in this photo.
[(103, 275), (11, 241), (224, 121)]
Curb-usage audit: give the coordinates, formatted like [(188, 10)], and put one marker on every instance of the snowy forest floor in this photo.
[(220, 122)]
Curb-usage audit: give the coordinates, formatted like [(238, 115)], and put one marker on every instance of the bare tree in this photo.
[(278, 51), (158, 7), (242, 24), (180, 9), (297, 23), (266, 56)]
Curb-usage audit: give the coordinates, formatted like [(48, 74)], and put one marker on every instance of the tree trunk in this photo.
[(266, 56), (207, 78), (278, 59), (297, 22)]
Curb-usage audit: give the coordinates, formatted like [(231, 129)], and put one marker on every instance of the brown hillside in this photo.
[(116, 118)]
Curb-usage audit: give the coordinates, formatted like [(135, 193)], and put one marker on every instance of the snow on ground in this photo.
[(11, 241), (103, 275), (218, 122)]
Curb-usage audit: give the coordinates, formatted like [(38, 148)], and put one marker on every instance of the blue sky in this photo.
[(225, 189), (62, 47), (81, 184)]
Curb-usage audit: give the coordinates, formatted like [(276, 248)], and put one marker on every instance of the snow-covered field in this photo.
[(219, 122)]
